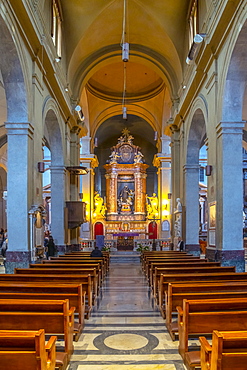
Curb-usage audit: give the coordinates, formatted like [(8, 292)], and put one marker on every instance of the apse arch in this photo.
[(116, 110), (11, 65)]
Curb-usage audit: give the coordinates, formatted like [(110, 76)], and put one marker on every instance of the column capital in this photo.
[(58, 169), (229, 128), (188, 167), (19, 128)]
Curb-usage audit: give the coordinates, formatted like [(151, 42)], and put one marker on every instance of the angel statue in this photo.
[(114, 157), (138, 157)]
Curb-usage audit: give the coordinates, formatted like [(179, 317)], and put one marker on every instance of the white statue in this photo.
[(179, 205), (114, 157), (138, 157)]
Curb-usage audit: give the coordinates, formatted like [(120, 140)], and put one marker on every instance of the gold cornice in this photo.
[(159, 159), (92, 159), (126, 168)]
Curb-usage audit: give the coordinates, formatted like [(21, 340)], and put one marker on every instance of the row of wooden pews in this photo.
[(206, 298), (45, 299)]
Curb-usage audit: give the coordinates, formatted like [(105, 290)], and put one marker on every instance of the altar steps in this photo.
[(125, 257)]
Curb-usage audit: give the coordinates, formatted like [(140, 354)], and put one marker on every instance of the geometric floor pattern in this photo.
[(125, 332)]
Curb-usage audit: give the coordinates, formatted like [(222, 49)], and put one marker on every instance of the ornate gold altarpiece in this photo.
[(126, 187)]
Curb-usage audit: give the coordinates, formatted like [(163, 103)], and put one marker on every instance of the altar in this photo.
[(125, 240)]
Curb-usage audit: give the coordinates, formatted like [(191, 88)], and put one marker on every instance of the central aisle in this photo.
[(125, 332)]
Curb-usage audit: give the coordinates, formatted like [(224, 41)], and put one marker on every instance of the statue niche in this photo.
[(126, 200), (126, 181)]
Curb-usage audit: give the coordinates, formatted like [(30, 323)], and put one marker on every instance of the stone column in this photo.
[(19, 187), (58, 181), (229, 196), (74, 180), (191, 199)]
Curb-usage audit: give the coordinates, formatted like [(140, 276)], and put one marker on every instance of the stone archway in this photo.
[(20, 138), (196, 138), (54, 142)]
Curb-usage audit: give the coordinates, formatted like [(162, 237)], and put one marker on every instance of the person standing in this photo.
[(180, 244), (1, 236), (51, 248)]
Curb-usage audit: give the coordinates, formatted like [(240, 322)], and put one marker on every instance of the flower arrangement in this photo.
[(141, 248)]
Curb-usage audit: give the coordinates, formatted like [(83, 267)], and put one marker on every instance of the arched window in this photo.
[(56, 26), (193, 21)]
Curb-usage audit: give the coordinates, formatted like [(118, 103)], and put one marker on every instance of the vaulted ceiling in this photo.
[(156, 33)]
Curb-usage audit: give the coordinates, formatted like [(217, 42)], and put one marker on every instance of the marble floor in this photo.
[(125, 332)]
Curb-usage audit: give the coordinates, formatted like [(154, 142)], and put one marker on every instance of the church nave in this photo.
[(125, 332)]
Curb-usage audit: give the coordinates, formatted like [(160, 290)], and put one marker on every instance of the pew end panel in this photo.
[(27, 349), (205, 353)]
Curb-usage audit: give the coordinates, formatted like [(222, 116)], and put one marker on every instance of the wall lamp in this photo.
[(41, 167), (208, 169), (198, 39), (169, 195), (79, 112)]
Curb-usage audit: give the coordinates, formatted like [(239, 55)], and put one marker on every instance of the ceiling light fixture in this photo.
[(79, 112), (124, 42), (125, 57), (198, 39)]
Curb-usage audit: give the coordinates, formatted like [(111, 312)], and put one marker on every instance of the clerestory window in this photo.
[(56, 27)]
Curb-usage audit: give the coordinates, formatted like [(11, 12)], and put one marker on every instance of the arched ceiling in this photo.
[(156, 32)]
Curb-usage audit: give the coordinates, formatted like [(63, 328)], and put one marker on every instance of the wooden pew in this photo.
[(71, 270), (167, 264), (177, 256), (79, 259), (71, 264), (106, 255), (196, 278), (204, 269), (175, 296), (84, 280), (188, 263), (227, 352), (199, 317), (34, 291), (27, 350), (151, 260), (55, 317), (145, 256)]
